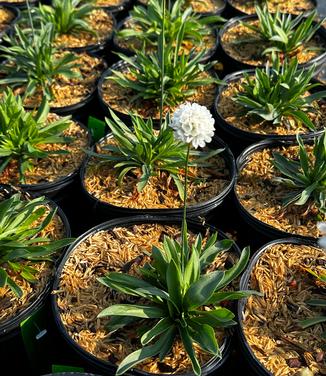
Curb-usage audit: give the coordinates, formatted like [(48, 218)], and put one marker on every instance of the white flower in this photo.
[(322, 228), (193, 124)]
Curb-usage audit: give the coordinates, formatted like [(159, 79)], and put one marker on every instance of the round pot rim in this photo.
[(133, 220), (233, 21), (16, 12), (234, 77), (64, 179), (129, 52), (11, 324), (240, 163), (121, 65), (230, 165), (229, 3), (244, 284)]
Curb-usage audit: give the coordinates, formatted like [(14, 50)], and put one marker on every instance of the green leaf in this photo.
[(162, 326), (142, 354), (202, 290), (312, 321), (146, 312), (187, 343)]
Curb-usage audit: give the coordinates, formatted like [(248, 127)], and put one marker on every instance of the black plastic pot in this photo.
[(233, 65), (129, 52), (107, 368), (19, 5), (55, 189), (233, 11), (70, 374), (266, 230), (105, 210), (10, 328), (122, 67), (257, 367), (239, 138), (16, 13)]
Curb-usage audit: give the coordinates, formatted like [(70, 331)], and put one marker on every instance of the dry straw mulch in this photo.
[(161, 192), (285, 6), (270, 322), (200, 6), (235, 43), (120, 99), (10, 304), (81, 297), (99, 21), (262, 197), (109, 3), (56, 166), (233, 113)]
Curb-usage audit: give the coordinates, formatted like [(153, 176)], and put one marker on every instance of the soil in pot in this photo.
[(133, 44), (270, 323), (100, 181), (10, 304), (99, 20), (285, 6), (119, 98), (80, 297), (261, 196), (110, 3), (233, 114), (200, 6), (237, 43), (56, 166), (69, 91)]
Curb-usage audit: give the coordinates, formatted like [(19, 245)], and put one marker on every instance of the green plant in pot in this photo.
[(279, 95), (184, 300), (183, 74), (305, 178), (21, 223), (32, 63), (25, 136), (76, 24), (146, 26), (151, 151), (285, 33)]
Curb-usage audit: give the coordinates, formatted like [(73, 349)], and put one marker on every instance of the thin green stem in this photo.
[(184, 231), (162, 57), (30, 17)]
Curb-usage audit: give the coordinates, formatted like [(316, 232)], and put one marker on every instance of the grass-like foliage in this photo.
[(21, 222), (279, 93), (32, 61), (306, 177), (66, 16), (285, 33), (22, 133), (182, 74), (176, 288), (149, 20), (150, 151)]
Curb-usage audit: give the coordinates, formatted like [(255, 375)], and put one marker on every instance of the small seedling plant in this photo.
[(305, 177), (150, 151), (284, 33), (280, 94), (32, 61), (23, 134), (21, 239)]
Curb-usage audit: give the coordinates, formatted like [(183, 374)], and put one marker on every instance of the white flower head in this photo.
[(193, 123), (322, 228)]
